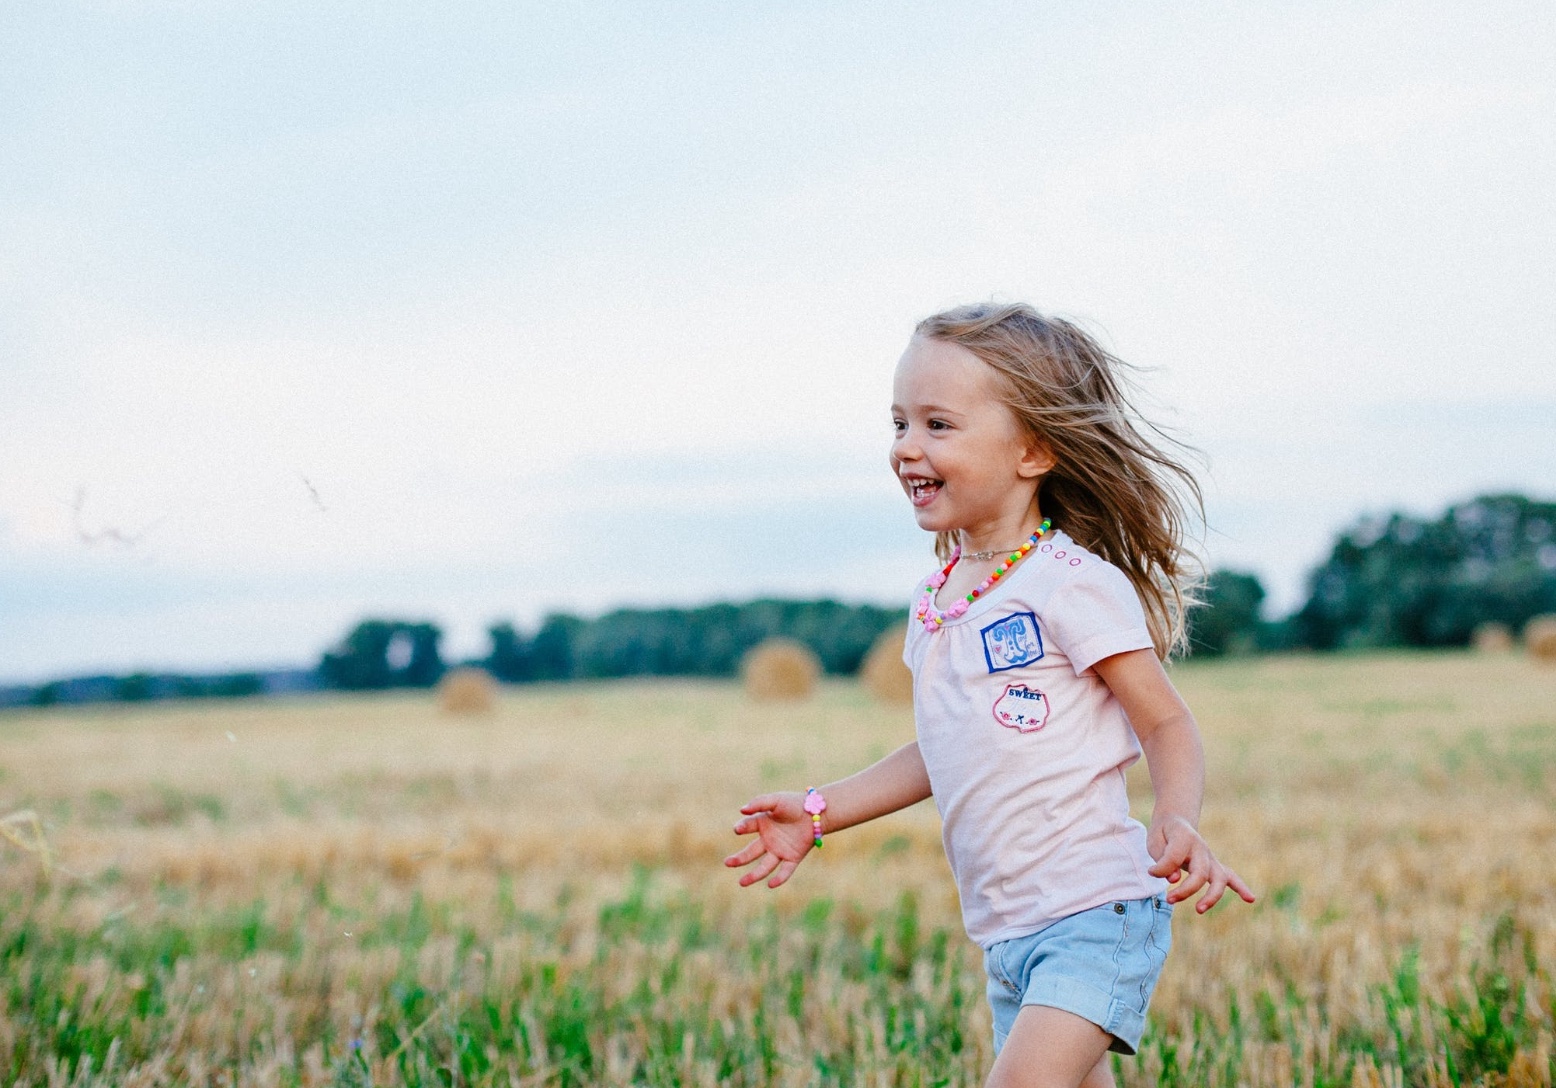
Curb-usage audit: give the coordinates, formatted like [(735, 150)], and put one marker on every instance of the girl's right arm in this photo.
[(783, 828)]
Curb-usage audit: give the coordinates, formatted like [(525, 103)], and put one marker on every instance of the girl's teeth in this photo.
[(923, 489)]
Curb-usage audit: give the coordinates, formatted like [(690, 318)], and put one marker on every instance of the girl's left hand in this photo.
[(1185, 860)]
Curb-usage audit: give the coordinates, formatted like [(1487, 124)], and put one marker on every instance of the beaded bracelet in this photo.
[(815, 804)]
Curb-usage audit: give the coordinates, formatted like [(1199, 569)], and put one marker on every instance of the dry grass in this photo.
[(1397, 813)]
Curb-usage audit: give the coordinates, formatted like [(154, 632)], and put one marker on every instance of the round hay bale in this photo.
[(883, 673), (467, 691), (1540, 638), (1492, 638), (779, 669)]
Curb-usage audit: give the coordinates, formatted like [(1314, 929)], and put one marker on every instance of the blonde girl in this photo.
[(1036, 649)]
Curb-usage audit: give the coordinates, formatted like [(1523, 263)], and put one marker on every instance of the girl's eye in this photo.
[(899, 425), (938, 424)]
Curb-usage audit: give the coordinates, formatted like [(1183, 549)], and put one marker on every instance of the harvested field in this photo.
[(364, 890)]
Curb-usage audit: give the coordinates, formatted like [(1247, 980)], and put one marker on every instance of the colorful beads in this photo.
[(815, 804), (932, 618)]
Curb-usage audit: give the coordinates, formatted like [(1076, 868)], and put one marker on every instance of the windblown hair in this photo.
[(1119, 486)]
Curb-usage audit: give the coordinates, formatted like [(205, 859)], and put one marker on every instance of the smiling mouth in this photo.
[(922, 490)]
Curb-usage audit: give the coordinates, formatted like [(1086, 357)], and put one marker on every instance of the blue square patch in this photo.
[(1012, 641)]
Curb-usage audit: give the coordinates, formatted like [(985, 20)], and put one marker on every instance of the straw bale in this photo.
[(467, 691), (780, 668), (1492, 638), (883, 673), (1540, 638)]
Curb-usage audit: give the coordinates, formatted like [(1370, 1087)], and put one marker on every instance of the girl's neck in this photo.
[(1001, 536)]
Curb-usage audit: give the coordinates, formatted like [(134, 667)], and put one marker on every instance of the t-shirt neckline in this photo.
[(982, 604)]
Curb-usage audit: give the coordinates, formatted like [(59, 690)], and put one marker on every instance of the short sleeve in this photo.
[(1096, 614)]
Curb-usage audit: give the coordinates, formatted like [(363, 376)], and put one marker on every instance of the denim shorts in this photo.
[(1100, 964)]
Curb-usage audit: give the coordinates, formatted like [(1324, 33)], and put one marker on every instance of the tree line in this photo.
[(1394, 580), (707, 641)]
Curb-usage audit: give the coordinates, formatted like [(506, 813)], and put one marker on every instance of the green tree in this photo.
[(385, 654), (551, 650), (511, 659), (134, 688), (1228, 621), (1405, 581), (706, 641)]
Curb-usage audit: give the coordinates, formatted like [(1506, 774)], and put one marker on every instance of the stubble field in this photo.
[(363, 890)]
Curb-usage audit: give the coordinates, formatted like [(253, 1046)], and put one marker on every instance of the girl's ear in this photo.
[(1037, 459)]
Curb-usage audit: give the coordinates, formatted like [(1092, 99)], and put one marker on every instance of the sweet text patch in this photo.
[(1021, 708)]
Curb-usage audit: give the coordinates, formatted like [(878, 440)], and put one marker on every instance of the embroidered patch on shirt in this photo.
[(1012, 641), (1021, 708)]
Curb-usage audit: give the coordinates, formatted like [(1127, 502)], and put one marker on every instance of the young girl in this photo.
[(1036, 653)]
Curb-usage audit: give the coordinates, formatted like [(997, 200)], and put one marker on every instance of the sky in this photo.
[(467, 312)]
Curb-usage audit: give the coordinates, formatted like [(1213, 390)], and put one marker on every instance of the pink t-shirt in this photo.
[(1026, 747)]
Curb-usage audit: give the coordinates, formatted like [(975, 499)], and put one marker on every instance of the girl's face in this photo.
[(962, 458)]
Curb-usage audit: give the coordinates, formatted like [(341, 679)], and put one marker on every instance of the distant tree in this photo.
[(134, 688), (425, 665), (511, 659), (1404, 581), (384, 654), (1228, 621), (236, 685), (362, 659), (706, 641), (551, 650), (710, 641)]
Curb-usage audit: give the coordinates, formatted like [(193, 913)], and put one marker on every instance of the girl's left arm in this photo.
[(1176, 759)]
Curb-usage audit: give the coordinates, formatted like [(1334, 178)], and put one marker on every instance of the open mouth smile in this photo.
[(922, 489)]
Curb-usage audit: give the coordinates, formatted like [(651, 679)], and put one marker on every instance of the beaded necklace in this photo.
[(932, 618)]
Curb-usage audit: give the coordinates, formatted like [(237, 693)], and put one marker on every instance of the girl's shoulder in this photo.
[(1059, 564), (1066, 565)]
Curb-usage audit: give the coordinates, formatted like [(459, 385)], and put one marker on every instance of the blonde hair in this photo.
[(1117, 492)]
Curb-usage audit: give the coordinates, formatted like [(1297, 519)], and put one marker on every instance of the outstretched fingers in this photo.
[(1186, 862), (1191, 881), (1221, 879), (764, 802), (1213, 891), (782, 839), (1240, 886), (1188, 868), (764, 869), (746, 855), (784, 872)]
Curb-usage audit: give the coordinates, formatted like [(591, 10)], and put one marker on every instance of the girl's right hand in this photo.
[(783, 837)]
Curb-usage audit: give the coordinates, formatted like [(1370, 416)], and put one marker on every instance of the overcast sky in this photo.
[(311, 311)]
